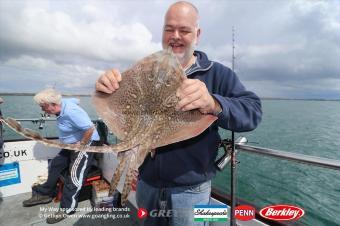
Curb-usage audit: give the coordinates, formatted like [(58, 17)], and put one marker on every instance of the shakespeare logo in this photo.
[(210, 213)]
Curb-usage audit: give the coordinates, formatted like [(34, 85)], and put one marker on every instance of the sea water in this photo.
[(299, 126)]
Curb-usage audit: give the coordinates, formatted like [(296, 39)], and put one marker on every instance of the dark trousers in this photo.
[(77, 165)]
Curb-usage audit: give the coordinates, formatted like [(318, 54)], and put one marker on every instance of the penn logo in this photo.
[(244, 213), (282, 212)]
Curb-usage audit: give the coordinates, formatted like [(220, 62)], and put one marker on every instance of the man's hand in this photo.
[(193, 94), (109, 81)]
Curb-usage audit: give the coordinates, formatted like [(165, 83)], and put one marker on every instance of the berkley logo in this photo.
[(282, 212), (244, 213)]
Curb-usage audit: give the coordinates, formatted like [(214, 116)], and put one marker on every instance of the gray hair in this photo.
[(189, 4), (48, 96)]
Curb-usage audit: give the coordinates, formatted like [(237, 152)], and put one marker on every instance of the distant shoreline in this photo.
[(302, 99), (262, 98), (32, 94)]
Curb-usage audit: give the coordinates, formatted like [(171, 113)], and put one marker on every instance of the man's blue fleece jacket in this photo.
[(192, 161)]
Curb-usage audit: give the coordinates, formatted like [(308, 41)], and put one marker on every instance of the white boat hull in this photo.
[(21, 162)]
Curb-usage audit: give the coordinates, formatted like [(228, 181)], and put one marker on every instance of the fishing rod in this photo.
[(44, 117), (230, 152), (233, 154)]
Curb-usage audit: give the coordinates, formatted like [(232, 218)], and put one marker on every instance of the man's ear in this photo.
[(198, 35)]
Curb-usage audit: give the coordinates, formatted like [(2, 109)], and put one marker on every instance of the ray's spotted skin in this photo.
[(141, 113)]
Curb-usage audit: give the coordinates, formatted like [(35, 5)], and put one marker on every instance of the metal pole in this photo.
[(233, 155), (233, 49), (233, 181)]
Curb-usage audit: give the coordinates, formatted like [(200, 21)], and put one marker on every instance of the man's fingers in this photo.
[(189, 81), (192, 94), (189, 99), (188, 90), (198, 104), (102, 88), (192, 105), (117, 75), (109, 81), (188, 87)]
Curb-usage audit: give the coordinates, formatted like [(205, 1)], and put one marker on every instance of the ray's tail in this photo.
[(34, 135), (122, 159), (127, 160), (131, 175)]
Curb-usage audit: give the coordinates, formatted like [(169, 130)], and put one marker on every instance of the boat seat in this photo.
[(94, 174)]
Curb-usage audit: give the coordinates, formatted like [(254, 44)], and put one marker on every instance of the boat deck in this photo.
[(13, 213)]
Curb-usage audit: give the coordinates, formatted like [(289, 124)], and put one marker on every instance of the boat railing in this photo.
[(105, 135), (232, 147), (291, 156), (240, 145)]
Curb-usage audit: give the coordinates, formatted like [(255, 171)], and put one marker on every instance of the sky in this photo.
[(283, 48)]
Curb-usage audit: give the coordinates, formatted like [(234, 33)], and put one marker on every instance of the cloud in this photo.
[(49, 73), (56, 32), (283, 48), (45, 44), (292, 50)]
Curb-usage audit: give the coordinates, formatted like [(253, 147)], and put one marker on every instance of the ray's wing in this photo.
[(186, 126), (128, 112), (122, 110), (142, 110), (168, 125), (176, 125)]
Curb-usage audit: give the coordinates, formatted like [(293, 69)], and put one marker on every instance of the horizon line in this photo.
[(83, 94)]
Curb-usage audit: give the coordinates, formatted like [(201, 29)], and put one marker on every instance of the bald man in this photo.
[(179, 175)]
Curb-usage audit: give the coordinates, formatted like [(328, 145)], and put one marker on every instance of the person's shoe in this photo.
[(56, 217), (37, 199)]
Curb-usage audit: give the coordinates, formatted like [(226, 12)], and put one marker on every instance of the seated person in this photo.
[(74, 127)]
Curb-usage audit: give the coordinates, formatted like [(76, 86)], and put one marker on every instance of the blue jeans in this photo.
[(173, 205)]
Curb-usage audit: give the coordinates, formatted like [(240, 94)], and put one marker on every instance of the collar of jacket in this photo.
[(202, 63)]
